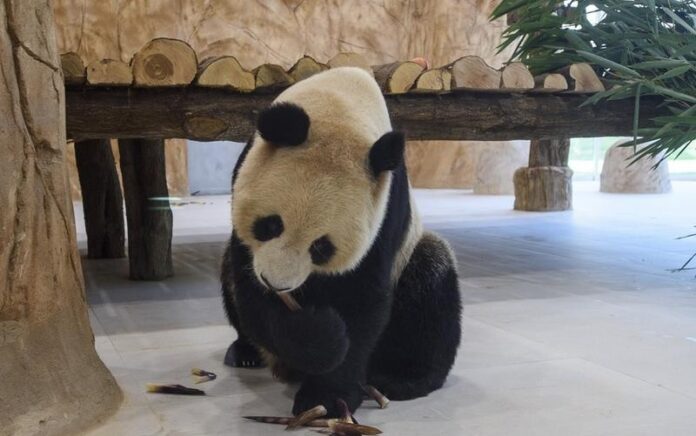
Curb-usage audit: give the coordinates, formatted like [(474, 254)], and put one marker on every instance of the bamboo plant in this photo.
[(640, 48)]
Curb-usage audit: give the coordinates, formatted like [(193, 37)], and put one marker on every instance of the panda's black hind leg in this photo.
[(241, 354), (418, 347)]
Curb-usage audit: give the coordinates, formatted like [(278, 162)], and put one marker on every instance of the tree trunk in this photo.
[(52, 379), (101, 199), (147, 208), (546, 184)]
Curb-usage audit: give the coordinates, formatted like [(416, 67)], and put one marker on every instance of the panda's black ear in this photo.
[(387, 153), (283, 124)]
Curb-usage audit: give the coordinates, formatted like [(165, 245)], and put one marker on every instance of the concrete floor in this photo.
[(572, 325)]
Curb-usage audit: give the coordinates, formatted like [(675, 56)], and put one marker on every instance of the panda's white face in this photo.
[(301, 210), (308, 197)]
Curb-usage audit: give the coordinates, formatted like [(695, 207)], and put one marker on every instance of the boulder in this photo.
[(649, 175)]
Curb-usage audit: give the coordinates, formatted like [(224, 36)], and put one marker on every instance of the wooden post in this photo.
[(147, 208), (102, 201), (546, 184), (51, 379)]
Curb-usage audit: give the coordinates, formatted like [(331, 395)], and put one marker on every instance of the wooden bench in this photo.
[(141, 115)]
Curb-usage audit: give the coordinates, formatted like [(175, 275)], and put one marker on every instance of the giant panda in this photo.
[(321, 207)]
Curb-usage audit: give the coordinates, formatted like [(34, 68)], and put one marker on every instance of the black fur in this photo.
[(333, 340), (268, 227), (387, 153), (322, 250), (418, 347), (283, 124), (241, 354)]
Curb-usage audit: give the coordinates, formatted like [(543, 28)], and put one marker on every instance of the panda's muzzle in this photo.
[(272, 288)]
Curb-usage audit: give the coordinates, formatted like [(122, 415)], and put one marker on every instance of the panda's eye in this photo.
[(321, 250), (268, 227)]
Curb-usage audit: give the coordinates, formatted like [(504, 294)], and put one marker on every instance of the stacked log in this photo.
[(397, 77), (582, 78), (225, 72), (271, 76), (109, 72), (170, 62), (438, 79), (73, 68), (472, 72), (349, 59), (550, 82), (164, 62), (305, 67), (516, 76)]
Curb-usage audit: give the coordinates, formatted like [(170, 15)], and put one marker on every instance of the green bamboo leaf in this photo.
[(636, 113), (677, 19), (608, 63), (674, 72), (664, 63), (671, 93)]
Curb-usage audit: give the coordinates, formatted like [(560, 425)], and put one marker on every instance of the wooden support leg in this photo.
[(102, 201), (546, 184), (147, 208)]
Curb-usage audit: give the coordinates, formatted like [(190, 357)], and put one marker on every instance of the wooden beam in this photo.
[(218, 114)]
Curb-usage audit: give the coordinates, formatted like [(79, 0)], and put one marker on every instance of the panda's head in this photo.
[(311, 193)]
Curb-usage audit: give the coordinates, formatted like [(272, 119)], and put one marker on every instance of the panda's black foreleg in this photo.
[(345, 382), (311, 340), (241, 353)]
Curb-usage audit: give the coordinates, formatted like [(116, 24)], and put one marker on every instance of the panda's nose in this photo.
[(271, 287)]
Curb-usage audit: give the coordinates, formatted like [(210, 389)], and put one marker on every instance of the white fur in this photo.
[(322, 187)]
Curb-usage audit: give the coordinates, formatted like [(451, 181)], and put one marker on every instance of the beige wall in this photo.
[(278, 31)]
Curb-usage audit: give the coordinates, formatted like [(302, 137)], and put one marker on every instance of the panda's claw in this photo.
[(241, 354)]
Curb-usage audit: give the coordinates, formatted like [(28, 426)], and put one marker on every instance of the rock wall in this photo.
[(282, 31), (52, 381)]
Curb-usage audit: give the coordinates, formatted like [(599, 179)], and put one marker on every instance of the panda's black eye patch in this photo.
[(322, 250), (268, 227)]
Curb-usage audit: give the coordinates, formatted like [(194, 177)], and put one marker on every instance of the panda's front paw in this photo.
[(242, 354), (314, 341), (312, 395)]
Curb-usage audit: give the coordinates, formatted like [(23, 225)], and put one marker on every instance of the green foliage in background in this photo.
[(640, 48)]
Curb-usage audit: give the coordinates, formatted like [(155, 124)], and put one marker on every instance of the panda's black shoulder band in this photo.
[(284, 124)]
